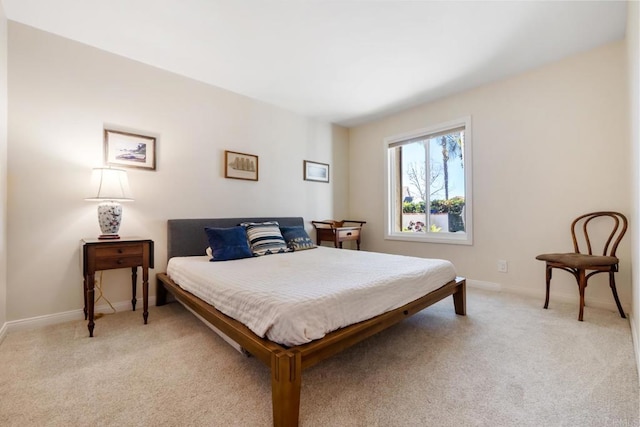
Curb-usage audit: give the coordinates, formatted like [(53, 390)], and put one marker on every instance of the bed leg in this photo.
[(161, 293), (286, 368), (460, 297)]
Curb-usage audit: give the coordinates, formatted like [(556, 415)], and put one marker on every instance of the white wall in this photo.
[(61, 93), (3, 170), (548, 145), (633, 53)]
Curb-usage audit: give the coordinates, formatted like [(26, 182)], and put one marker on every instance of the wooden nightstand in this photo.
[(336, 231), (126, 252)]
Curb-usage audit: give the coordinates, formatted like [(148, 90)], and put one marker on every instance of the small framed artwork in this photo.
[(314, 171), (240, 166), (129, 149)]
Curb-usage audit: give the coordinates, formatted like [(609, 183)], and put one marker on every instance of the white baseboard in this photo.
[(67, 316), (488, 286), (635, 339), (608, 304), (3, 332)]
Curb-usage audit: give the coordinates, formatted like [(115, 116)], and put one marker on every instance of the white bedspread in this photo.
[(297, 297)]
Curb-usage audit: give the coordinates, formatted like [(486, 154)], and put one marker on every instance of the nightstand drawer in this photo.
[(344, 234), (118, 262), (119, 251)]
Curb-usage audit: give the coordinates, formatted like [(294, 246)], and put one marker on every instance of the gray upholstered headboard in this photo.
[(186, 237)]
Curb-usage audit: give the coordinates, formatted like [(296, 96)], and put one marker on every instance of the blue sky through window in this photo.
[(415, 154)]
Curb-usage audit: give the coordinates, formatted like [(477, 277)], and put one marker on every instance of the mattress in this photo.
[(297, 297)]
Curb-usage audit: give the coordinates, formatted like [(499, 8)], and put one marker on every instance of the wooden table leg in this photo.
[(90, 280), (145, 294), (134, 282), (84, 286)]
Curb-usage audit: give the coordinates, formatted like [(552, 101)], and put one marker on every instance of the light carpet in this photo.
[(507, 363)]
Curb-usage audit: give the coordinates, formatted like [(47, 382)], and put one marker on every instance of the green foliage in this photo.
[(453, 205), (439, 206), (413, 207)]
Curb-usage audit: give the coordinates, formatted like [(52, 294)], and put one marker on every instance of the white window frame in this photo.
[(465, 238)]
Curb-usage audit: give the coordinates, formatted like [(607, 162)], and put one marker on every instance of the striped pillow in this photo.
[(265, 238)]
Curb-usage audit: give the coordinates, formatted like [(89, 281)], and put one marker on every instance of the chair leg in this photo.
[(546, 300), (612, 285), (582, 284)]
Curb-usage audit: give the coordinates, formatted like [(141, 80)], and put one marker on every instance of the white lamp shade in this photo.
[(110, 184)]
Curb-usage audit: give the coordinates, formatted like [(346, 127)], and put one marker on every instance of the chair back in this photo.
[(581, 224)]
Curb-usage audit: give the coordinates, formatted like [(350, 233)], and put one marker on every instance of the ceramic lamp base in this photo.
[(109, 218)]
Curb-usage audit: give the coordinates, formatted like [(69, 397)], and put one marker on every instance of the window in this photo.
[(428, 195)]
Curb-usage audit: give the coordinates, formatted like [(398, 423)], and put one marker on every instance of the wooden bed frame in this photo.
[(186, 237)]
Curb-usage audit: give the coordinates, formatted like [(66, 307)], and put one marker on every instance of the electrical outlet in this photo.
[(502, 266)]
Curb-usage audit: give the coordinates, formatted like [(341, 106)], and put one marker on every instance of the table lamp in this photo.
[(109, 187)]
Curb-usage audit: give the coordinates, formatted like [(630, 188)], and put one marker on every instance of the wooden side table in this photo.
[(98, 255), (337, 232)]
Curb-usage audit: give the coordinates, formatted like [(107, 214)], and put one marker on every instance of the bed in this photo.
[(187, 241)]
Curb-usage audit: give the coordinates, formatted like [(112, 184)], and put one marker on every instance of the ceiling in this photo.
[(343, 61)]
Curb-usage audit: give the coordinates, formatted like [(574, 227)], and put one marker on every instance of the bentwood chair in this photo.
[(585, 264)]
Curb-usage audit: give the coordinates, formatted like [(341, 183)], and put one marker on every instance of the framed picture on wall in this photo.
[(129, 149), (314, 171), (240, 166)]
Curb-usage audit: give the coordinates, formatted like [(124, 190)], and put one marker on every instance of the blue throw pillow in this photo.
[(297, 238), (228, 243)]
